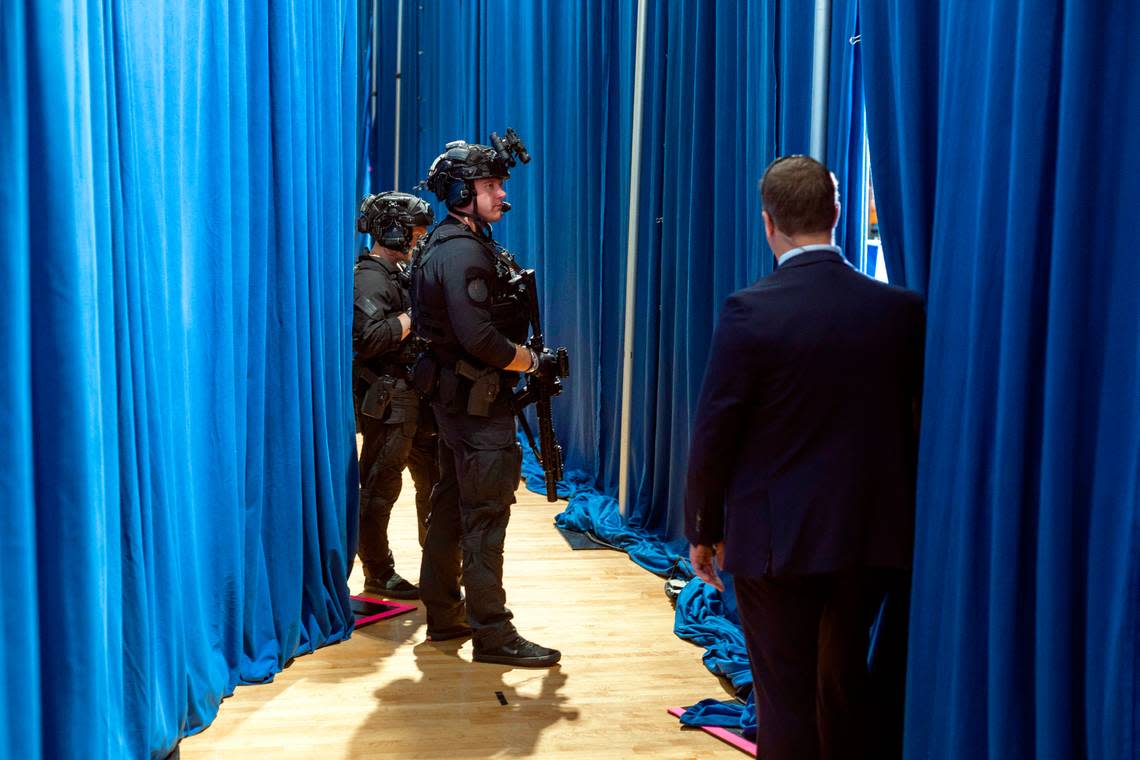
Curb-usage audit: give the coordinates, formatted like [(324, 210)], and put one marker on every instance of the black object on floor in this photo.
[(581, 540)]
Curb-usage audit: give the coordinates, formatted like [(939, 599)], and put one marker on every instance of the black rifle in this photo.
[(540, 388)]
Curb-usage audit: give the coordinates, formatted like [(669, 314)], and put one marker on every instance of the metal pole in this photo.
[(399, 71), (631, 260), (375, 55), (819, 80)]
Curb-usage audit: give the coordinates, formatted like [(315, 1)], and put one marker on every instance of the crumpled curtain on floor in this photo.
[(176, 196)]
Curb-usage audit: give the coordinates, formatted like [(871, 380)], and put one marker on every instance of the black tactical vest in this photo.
[(430, 318)]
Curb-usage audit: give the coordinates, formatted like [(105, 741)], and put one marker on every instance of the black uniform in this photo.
[(465, 304), (397, 424)]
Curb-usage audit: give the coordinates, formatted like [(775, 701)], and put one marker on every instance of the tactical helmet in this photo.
[(391, 217), (453, 171)]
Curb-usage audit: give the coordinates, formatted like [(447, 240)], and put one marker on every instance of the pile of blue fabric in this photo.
[(703, 615)]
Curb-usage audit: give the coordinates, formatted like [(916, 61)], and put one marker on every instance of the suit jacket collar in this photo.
[(807, 258)]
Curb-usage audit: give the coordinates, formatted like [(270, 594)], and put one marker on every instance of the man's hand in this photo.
[(547, 364), (405, 320), (523, 361), (705, 560)]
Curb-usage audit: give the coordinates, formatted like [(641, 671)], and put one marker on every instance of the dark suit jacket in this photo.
[(804, 451)]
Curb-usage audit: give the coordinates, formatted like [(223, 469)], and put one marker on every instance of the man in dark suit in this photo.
[(802, 468)]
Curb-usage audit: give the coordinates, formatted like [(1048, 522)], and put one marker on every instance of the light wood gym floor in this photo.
[(385, 693)]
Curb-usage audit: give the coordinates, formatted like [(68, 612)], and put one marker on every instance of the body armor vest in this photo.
[(508, 306)]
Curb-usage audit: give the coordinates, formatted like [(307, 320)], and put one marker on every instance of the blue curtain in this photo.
[(176, 191), (1003, 141), (724, 94), (846, 132), (728, 90), (378, 41)]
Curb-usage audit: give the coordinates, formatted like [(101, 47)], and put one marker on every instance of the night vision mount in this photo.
[(509, 147)]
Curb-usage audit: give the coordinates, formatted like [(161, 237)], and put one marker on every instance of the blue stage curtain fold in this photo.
[(901, 51), (1004, 157), (721, 101), (20, 710), (378, 39), (177, 222), (846, 132)]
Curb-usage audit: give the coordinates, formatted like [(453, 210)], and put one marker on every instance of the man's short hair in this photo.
[(799, 194)]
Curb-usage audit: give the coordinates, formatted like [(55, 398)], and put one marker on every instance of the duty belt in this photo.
[(370, 374)]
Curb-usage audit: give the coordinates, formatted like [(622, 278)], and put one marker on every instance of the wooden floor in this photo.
[(386, 693)]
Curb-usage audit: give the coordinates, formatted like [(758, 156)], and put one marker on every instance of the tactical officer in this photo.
[(469, 308), (396, 422)]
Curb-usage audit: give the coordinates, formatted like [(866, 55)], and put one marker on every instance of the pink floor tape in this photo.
[(723, 734), (377, 609)]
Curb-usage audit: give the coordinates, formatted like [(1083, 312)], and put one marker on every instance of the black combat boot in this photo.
[(392, 587), (518, 652)]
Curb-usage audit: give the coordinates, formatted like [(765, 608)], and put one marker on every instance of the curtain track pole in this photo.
[(375, 55), (819, 80), (631, 260), (399, 72)]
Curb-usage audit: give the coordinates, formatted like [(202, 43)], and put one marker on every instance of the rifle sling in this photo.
[(529, 436)]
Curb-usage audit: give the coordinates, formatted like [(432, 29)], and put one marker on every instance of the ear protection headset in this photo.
[(459, 193)]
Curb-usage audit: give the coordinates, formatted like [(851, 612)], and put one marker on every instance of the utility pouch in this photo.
[(404, 406), (378, 397), (484, 387)]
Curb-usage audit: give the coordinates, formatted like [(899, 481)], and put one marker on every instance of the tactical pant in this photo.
[(480, 462), (404, 438)]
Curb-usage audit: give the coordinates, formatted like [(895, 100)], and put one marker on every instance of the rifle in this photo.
[(540, 389)]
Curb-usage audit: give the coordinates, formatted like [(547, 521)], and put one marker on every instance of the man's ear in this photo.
[(769, 225), (838, 210)]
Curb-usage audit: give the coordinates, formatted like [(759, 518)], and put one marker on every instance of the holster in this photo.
[(484, 387), (379, 394), (404, 407)]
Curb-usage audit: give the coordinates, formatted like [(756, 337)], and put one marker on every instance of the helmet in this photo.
[(451, 174), (391, 217)]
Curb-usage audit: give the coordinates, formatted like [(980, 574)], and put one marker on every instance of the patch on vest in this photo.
[(477, 290)]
